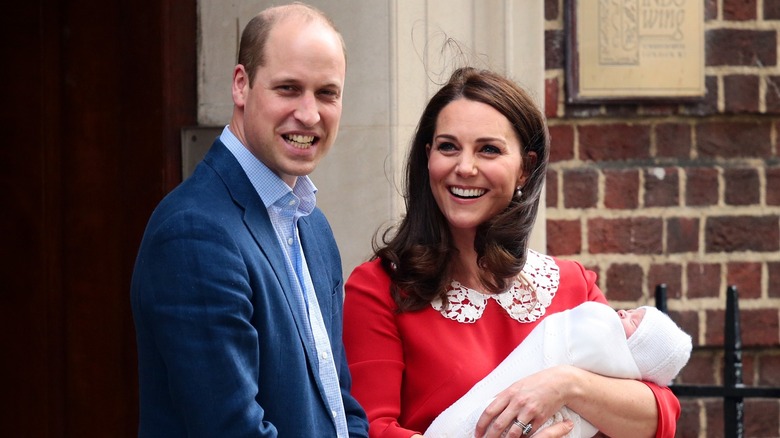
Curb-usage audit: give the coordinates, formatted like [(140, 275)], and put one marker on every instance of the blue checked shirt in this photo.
[(285, 206)]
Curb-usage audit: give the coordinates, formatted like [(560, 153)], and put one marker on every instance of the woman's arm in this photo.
[(617, 407), (374, 350)]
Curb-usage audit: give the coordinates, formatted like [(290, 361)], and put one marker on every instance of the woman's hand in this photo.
[(616, 407), (531, 400)]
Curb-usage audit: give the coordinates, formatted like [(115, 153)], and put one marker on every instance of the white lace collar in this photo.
[(467, 305)]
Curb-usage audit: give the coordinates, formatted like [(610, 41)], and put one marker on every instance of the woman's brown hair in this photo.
[(417, 252)]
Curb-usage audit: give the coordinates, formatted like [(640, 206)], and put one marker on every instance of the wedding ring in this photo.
[(525, 427)]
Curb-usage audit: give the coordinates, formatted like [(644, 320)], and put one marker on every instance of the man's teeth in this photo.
[(467, 193), (300, 141)]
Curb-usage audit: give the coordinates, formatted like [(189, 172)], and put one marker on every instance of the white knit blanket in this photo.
[(589, 336)]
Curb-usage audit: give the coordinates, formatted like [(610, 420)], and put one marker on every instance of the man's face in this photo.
[(290, 116)]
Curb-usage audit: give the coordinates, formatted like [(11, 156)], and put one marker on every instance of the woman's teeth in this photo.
[(300, 141), (467, 193)]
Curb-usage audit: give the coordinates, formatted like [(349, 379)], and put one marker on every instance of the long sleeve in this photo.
[(374, 351)]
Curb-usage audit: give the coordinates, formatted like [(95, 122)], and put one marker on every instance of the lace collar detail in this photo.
[(466, 305)]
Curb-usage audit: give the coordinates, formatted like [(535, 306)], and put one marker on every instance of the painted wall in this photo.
[(397, 54)]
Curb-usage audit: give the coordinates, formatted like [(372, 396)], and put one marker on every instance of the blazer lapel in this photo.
[(259, 225)]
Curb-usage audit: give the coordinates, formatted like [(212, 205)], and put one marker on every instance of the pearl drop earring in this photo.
[(519, 191)]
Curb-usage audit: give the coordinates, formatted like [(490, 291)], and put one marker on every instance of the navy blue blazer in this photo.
[(221, 349)]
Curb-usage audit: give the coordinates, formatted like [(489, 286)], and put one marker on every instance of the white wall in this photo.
[(396, 59)]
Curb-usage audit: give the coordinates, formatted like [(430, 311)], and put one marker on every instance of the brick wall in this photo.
[(682, 194)]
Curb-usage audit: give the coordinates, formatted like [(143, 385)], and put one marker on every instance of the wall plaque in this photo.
[(635, 50)]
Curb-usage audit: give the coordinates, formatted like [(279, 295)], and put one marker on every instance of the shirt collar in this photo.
[(269, 185)]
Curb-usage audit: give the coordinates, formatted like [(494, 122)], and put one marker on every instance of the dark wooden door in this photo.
[(94, 94)]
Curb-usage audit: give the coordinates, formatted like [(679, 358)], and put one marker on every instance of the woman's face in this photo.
[(474, 163)]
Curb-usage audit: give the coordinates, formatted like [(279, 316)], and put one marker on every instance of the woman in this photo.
[(455, 288)]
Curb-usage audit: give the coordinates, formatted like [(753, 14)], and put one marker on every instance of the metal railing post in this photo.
[(733, 406)]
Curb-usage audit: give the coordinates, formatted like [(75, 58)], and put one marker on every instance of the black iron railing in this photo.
[(733, 392)]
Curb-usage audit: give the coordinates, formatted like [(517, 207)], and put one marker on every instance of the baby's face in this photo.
[(630, 319)]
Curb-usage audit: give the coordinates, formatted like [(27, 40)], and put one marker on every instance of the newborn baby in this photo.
[(642, 343)]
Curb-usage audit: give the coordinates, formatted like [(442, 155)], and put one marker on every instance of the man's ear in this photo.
[(240, 85)]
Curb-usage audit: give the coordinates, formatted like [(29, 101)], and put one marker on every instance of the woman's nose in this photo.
[(466, 166)]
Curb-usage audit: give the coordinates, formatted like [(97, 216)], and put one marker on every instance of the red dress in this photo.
[(409, 367)]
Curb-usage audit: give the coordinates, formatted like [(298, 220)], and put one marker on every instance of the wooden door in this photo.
[(94, 96)]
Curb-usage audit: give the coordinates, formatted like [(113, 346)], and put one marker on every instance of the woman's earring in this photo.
[(519, 191)]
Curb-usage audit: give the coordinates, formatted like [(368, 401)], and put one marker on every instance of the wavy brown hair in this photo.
[(417, 252)]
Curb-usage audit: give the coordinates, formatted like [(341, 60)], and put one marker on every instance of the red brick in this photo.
[(769, 370), (762, 418), (742, 186), (710, 10), (551, 189), (701, 186), (625, 236), (669, 274), (662, 187), (551, 98), (561, 143), (774, 279), (771, 10), (773, 94), (624, 282), (551, 10), (622, 110), (703, 280), (760, 327), (621, 188), (734, 139), (741, 93), (748, 368), (700, 369), (682, 235), (739, 10), (580, 188), (582, 110), (742, 233), (689, 322), (554, 48), (746, 276), (564, 237), (708, 104), (713, 333), (740, 47), (614, 142), (714, 417), (659, 109), (773, 185), (688, 423), (673, 140)]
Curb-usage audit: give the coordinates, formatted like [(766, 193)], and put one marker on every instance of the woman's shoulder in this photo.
[(369, 278)]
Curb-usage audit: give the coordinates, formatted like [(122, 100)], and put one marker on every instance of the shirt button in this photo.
[(292, 202), (289, 240), (324, 355), (333, 413)]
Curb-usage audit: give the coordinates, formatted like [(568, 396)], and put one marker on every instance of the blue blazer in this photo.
[(221, 349)]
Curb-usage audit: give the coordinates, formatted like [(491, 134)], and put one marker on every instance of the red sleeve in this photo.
[(374, 349), (668, 410)]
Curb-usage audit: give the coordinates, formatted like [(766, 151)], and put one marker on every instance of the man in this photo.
[(237, 289)]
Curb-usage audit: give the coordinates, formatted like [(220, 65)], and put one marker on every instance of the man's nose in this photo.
[(307, 112)]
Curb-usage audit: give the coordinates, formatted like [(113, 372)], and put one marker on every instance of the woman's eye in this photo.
[(446, 146), (489, 149)]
